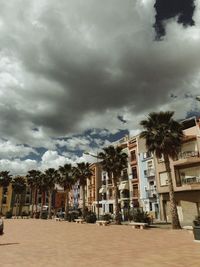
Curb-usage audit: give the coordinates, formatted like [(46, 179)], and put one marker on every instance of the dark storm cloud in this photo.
[(166, 9), (76, 64)]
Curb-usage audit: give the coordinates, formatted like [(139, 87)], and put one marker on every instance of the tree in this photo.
[(19, 186), (5, 179), (50, 179), (114, 161), (163, 137), (33, 177), (66, 180), (81, 173), (42, 186)]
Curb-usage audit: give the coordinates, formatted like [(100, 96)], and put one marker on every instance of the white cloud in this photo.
[(51, 159), (17, 166), (75, 65), (10, 150)]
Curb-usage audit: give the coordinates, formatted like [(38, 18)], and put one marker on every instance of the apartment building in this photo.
[(92, 189), (147, 181), (185, 172), (133, 172)]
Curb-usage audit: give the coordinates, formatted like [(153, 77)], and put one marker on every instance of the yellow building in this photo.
[(6, 193)]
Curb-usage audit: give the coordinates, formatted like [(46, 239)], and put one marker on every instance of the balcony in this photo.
[(124, 177), (151, 193), (187, 157), (188, 180), (125, 194), (149, 172), (188, 154)]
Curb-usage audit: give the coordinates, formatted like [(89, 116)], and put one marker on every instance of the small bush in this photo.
[(72, 216), (8, 215), (44, 215), (90, 217), (106, 217), (141, 216)]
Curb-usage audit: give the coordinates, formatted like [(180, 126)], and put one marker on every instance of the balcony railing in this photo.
[(149, 172), (190, 180), (151, 193), (124, 177), (188, 154)]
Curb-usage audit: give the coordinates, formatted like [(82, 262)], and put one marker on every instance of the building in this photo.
[(185, 172), (149, 198), (133, 172), (92, 189)]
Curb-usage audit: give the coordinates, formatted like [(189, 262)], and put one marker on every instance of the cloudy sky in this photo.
[(76, 75)]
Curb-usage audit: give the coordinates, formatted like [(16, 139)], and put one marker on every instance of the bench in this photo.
[(79, 220), (103, 223), (138, 225)]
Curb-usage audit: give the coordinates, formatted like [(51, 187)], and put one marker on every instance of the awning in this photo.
[(123, 186), (102, 190)]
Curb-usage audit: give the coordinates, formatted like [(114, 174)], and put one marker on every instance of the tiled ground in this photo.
[(42, 243)]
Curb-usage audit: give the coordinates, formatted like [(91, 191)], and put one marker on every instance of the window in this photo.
[(163, 179), (124, 175), (146, 155), (110, 192), (150, 164), (135, 191), (134, 172), (27, 201), (111, 208), (133, 155)]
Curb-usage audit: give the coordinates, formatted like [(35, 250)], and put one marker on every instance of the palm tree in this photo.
[(33, 177), (5, 179), (42, 186), (66, 180), (81, 173), (19, 186), (163, 137), (50, 180), (114, 161)]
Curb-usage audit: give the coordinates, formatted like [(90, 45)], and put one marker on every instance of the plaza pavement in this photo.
[(41, 243)]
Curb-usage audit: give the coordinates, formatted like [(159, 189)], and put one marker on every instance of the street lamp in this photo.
[(98, 187)]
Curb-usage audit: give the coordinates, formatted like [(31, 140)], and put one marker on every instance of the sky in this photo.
[(77, 75)]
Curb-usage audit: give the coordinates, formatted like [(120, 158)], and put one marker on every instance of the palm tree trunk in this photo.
[(117, 214), (16, 201), (50, 200), (20, 204), (83, 188), (36, 200), (1, 201), (173, 208), (67, 204), (42, 203), (32, 201)]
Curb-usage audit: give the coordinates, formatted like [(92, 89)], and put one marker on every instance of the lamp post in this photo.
[(98, 187)]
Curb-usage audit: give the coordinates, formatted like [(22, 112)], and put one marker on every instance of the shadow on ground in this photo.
[(8, 244)]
